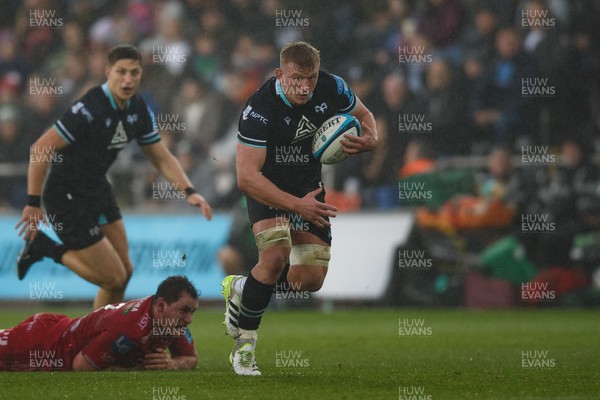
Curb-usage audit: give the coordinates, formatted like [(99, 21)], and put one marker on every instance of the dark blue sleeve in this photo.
[(253, 126), (75, 122), (345, 99)]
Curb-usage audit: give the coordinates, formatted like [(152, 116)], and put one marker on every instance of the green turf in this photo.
[(360, 355)]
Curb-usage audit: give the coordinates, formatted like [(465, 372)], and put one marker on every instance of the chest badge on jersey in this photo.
[(305, 129), (119, 140), (320, 108)]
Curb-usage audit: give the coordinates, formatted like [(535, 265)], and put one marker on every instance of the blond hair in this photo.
[(302, 54)]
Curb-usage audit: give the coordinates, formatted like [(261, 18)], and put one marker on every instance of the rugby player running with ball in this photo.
[(282, 117)]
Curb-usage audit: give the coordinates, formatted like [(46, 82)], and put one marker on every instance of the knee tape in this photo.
[(277, 236), (310, 254)]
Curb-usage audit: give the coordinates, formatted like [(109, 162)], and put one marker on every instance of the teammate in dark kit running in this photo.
[(81, 146), (282, 181)]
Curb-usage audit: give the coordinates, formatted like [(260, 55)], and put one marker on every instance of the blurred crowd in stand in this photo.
[(516, 82), (460, 77)]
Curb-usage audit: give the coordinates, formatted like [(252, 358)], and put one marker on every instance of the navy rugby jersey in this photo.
[(96, 130), (270, 121)]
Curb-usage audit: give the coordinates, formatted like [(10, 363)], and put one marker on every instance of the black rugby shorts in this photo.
[(77, 219), (258, 212)]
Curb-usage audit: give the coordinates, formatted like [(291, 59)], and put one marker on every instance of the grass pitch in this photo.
[(361, 354)]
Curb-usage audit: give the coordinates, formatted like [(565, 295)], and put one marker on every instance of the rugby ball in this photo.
[(326, 145)]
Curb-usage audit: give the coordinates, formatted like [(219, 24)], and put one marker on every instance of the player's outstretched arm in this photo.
[(249, 162), (369, 138), (166, 163), (40, 155), (162, 359)]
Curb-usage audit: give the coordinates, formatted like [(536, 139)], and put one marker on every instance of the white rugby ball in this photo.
[(326, 145)]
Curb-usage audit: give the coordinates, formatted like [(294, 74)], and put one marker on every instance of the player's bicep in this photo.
[(248, 162), (81, 364), (50, 141), (101, 352), (249, 159)]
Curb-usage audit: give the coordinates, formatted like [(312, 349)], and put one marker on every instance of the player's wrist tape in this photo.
[(189, 190), (34, 201)]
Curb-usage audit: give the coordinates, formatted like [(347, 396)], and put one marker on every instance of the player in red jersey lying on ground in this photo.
[(148, 333)]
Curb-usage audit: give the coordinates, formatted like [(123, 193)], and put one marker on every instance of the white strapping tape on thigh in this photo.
[(310, 254), (277, 236)]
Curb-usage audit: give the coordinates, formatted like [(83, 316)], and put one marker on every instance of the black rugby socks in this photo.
[(255, 299)]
